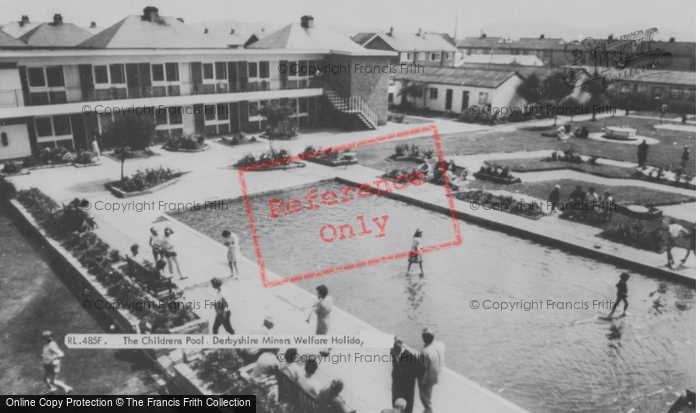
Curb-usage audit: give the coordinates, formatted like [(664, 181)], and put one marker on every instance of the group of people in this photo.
[(163, 248), (585, 205), (643, 154)]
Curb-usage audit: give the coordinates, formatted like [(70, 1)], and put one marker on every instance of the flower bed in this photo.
[(328, 158), (634, 233), (272, 159), (666, 176), (131, 154), (144, 182), (219, 370), (406, 152), (56, 157), (502, 203), (12, 168), (402, 175), (98, 259), (496, 173), (189, 143), (238, 139)]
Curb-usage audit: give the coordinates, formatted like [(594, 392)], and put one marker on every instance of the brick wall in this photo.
[(372, 87)]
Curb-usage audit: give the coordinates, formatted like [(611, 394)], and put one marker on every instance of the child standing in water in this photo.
[(621, 294), (415, 255), (231, 242)]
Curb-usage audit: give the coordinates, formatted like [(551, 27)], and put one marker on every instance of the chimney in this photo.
[(391, 31), (206, 30), (150, 14), (25, 20), (307, 22), (57, 20), (419, 32), (180, 19), (483, 36), (233, 31), (541, 36), (672, 40), (93, 25)]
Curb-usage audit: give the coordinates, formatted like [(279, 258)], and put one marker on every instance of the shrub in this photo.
[(11, 168), (428, 153), (7, 189), (219, 369), (147, 178), (247, 160), (29, 162), (83, 157), (400, 150), (636, 234)]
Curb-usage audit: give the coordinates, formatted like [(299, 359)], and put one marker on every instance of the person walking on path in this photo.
[(95, 149), (434, 359), (231, 242), (674, 231), (406, 368), (223, 313), (156, 243), (554, 198), (642, 153), (685, 157), (691, 247), (416, 256), (169, 252), (51, 356), (322, 308), (621, 294)]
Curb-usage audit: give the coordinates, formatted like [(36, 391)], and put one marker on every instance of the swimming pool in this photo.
[(545, 360)]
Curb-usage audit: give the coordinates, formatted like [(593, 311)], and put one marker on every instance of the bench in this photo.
[(160, 287), (289, 391)]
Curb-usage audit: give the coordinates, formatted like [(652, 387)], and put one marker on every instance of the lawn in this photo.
[(666, 152), (621, 194), (537, 164)]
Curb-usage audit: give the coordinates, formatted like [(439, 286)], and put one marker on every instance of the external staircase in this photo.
[(354, 106)]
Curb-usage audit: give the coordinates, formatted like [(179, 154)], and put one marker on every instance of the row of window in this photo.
[(433, 56), (483, 96), (114, 74)]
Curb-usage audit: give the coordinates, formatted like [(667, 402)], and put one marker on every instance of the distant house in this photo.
[(7, 41), (454, 89), (56, 34), (17, 29), (429, 49), (667, 86), (498, 59), (682, 54), (550, 51)]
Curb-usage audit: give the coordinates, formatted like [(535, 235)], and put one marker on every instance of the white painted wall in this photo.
[(10, 88), (18, 142)]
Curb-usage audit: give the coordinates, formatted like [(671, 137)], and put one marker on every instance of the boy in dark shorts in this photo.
[(621, 294)]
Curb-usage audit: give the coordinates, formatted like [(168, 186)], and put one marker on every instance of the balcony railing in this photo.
[(56, 96)]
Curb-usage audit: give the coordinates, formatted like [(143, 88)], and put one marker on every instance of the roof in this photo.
[(50, 35), (362, 38), (93, 30), (676, 48), (534, 43), (16, 29), (410, 42), (296, 37), (542, 72), (8, 41), (479, 42), (669, 78), (490, 78), (502, 59), (237, 39), (133, 32)]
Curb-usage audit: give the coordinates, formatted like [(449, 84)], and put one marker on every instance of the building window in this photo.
[(483, 98), (657, 92), (421, 56), (406, 57), (433, 93), (434, 57), (175, 116), (448, 56), (54, 76), (303, 105), (36, 77), (675, 94), (392, 80), (220, 70), (116, 72), (391, 98), (101, 75), (252, 69), (43, 127), (253, 109), (222, 112), (264, 70), (61, 125), (208, 70), (161, 117), (158, 73), (172, 72)]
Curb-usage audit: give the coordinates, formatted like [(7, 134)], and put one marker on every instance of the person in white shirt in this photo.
[(51, 356), (95, 149), (308, 382), (434, 358), (169, 252), (674, 231), (156, 243), (266, 365), (290, 367), (231, 242)]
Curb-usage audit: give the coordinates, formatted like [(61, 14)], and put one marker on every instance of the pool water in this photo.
[(545, 360)]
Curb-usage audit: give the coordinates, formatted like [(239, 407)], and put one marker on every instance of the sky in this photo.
[(504, 18)]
